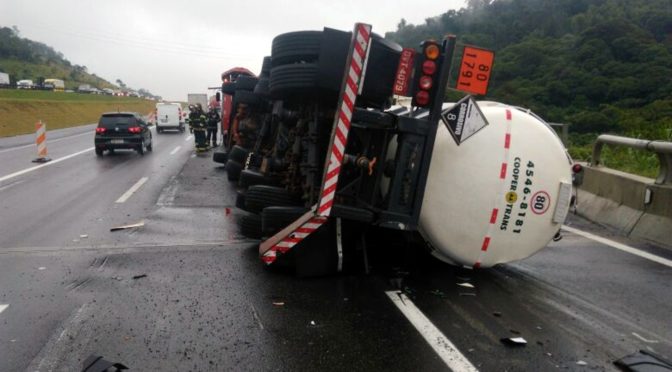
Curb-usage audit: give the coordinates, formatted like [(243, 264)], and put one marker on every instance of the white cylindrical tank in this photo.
[(499, 196)]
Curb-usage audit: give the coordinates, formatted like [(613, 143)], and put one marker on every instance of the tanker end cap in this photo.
[(498, 197)]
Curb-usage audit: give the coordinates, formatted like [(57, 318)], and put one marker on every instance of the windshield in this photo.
[(110, 121)]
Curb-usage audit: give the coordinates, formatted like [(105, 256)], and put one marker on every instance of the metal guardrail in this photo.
[(661, 148), (564, 132)]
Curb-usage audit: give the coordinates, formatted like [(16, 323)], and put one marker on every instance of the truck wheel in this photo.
[(219, 157), (262, 87), (238, 154), (229, 88), (299, 46), (233, 170), (274, 219), (249, 177), (240, 199), (265, 68), (291, 80), (259, 197), (250, 226), (246, 83)]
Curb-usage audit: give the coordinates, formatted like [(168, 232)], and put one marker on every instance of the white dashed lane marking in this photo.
[(133, 189), (175, 150), (3, 307)]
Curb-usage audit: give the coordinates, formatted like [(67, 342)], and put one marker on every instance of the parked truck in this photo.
[(4, 79), (198, 98), (324, 161), (57, 85)]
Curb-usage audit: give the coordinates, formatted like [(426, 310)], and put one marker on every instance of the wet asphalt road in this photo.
[(207, 303)]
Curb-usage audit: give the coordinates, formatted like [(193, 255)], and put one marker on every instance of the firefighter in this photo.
[(197, 123), (213, 121)]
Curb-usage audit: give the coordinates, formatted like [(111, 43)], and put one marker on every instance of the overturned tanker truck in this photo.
[(324, 161)]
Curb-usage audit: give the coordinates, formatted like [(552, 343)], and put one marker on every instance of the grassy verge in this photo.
[(20, 109)]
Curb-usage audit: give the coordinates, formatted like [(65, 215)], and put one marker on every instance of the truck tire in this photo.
[(246, 83), (290, 80), (274, 219), (262, 87), (259, 197), (229, 88), (265, 68), (233, 169), (240, 199), (249, 177), (299, 46), (238, 154), (250, 226), (220, 157)]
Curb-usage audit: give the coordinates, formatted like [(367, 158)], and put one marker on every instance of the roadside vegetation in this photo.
[(603, 66), (20, 109)]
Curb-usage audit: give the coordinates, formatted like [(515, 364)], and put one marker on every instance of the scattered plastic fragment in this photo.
[(83, 236), (312, 323), (124, 227), (41, 268), (140, 276), (118, 278), (278, 303), (466, 285), (514, 341), (581, 363), (227, 211)]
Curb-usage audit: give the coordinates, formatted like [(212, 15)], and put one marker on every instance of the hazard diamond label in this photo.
[(464, 119)]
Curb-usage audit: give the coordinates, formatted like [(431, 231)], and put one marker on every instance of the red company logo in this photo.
[(404, 69)]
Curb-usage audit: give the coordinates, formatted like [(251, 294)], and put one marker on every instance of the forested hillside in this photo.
[(601, 65), (26, 59)]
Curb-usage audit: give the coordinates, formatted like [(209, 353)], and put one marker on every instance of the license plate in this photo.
[(117, 141)]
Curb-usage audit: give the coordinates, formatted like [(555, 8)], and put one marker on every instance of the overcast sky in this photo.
[(174, 49)]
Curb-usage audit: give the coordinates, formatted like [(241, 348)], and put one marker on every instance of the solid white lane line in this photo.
[(48, 141), (619, 246), (175, 150), (3, 307), (133, 189), (55, 161), (188, 138), (440, 343)]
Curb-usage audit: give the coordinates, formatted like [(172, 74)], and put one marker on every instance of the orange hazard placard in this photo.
[(475, 70)]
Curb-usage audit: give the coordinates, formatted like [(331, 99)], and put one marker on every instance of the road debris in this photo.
[(312, 323), (497, 314), (466, 285), (140, 276), (131, 226), (514, 341), (83, 236), (41, 268), (581, 363), (278, 304)]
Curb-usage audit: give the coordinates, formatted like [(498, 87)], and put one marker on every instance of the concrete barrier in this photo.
[(636, 206)]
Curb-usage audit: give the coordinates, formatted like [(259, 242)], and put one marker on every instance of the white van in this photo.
[(168, 116)]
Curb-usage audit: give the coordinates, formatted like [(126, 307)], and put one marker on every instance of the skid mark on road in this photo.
[(445, 349), (619, 246)]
